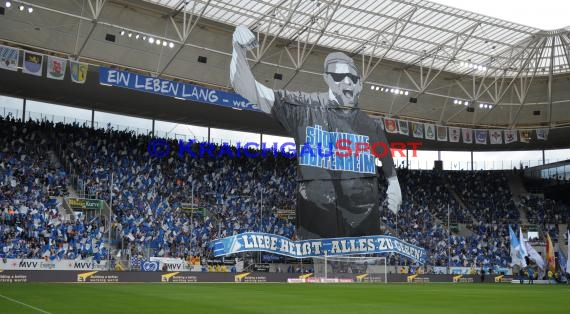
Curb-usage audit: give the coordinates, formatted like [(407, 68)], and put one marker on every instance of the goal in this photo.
[(360, 268)]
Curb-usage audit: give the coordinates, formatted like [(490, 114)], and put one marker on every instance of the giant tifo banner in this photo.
[(177, 90), (257, 241), (40, 264)]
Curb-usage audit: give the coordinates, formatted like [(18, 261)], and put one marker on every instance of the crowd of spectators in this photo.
[(230, 194), (173, 206), (31, 226), (545, 213), (417, 222), (486, 194)]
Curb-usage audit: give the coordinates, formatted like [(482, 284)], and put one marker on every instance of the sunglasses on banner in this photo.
[(338, 77)]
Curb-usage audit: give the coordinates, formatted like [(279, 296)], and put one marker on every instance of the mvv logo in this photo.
[(173, 266), (24, 264), (82, 265)]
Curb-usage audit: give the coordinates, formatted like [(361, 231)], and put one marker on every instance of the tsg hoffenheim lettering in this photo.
[(320, 150)]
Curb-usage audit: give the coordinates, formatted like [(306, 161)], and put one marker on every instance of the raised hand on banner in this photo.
[(244, 37), (394, 194)]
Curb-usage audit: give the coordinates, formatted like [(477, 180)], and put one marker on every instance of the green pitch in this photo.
[(284, 298)]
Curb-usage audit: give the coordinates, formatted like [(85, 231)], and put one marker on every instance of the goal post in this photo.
[(361, 268)]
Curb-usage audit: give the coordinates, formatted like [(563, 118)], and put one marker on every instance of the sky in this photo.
[(543, 14)]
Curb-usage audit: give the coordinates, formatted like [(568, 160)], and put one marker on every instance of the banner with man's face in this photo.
[(337, 180), (343, 79)]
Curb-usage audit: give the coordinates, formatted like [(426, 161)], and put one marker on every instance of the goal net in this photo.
[(358, 267)]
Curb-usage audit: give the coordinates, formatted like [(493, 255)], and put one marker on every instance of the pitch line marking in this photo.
[(24, 304)]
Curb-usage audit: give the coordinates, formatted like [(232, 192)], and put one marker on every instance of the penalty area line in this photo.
[(24, 304)]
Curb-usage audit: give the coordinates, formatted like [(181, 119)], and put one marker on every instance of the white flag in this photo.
[(522, 242), (130, 236), (430, 131), (9, 58), (481, 136), (496, 136), (533, 255), (517, 257)]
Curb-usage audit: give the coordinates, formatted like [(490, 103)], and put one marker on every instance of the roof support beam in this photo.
[(96, 6), (444, 107), (270, 15), (458, 42), (501, 78), (565, 40), (399, 25), (299, 60), (469, 95), (502, 92), (504, 59), (264, 46), (550, 74), (508, 65), (411, 78), (487, 21), (526, 83), (433, 27), (188, 27)]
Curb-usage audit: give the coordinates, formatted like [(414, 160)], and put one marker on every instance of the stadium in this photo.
[(277, 156)]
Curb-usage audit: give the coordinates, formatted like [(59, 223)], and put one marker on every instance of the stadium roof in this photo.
[(444, 57), (406, 31)]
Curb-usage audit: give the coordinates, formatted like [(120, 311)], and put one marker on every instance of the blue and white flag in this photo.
[(481, 136), (264, 242), (561, 260), (33, 63), (517, 257), (418, 130), (533, 255), (149, 266), (522, 243), (9, 58)]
